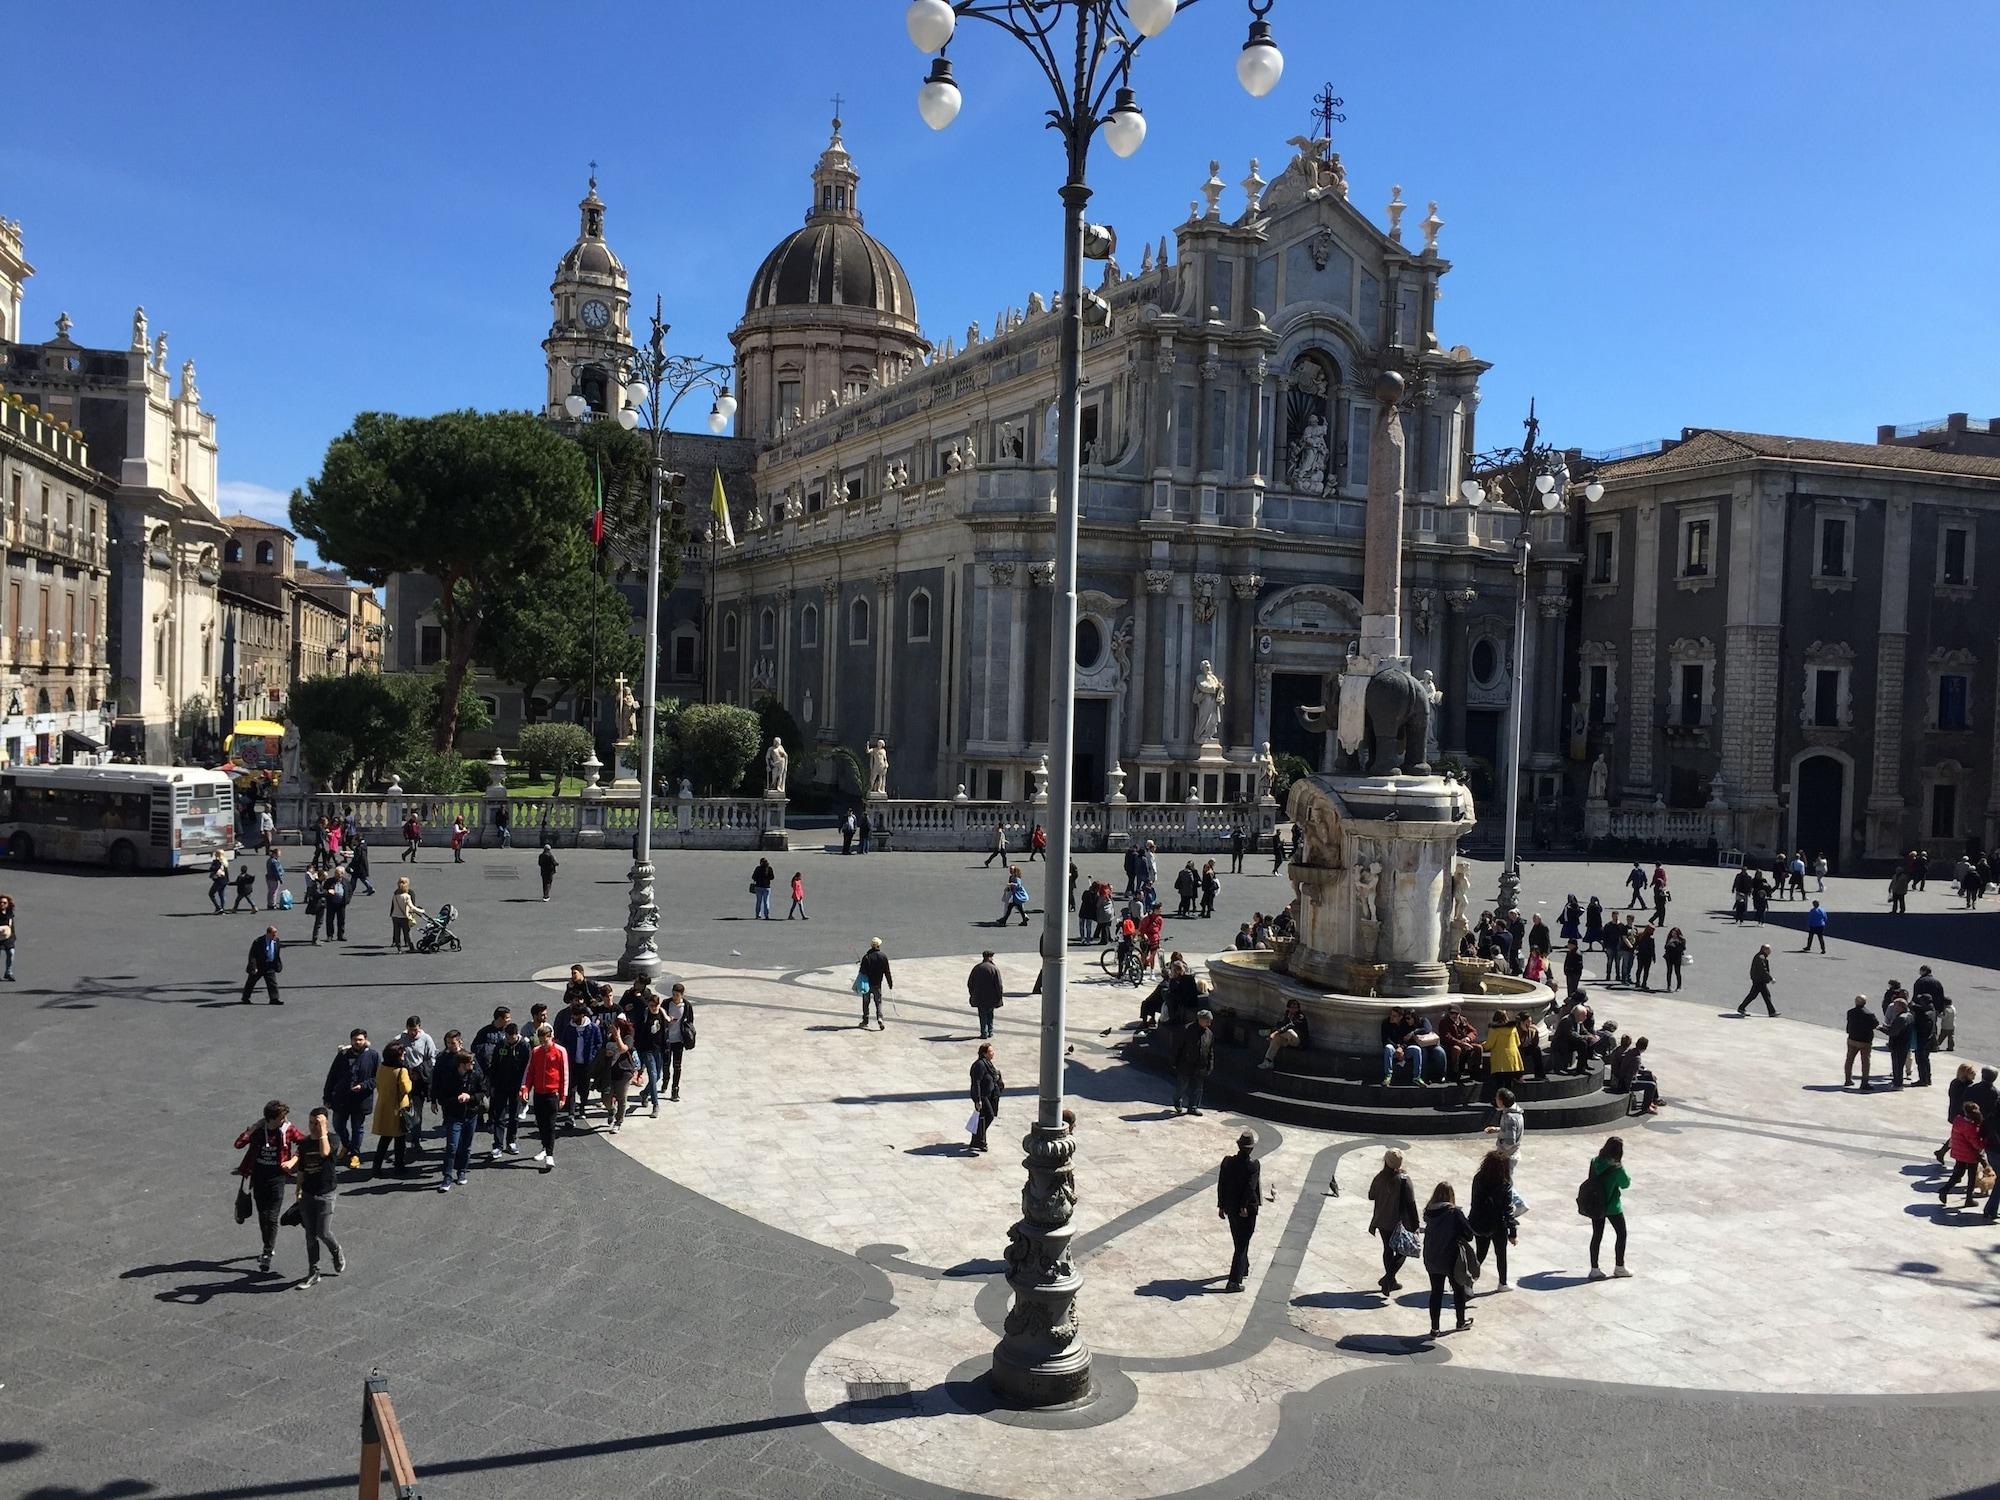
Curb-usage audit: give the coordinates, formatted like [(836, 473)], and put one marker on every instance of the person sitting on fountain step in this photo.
[(1462, 1052), (1292, 1031), (1503, 1049), (1409, 1039), (1529, 1032), (1175, 994), (1629, 1072), (1575, 1041)]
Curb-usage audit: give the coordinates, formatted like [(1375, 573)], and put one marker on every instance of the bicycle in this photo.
[(1122, 962)]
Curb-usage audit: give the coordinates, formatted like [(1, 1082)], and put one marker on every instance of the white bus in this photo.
[(128, 817)]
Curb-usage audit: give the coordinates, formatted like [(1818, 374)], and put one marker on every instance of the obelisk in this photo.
[(1382, 554)]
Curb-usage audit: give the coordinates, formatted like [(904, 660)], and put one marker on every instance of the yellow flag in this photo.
[(719, 505)]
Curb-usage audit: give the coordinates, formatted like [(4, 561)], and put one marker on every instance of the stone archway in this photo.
[(1303, 633), (1821, 816)]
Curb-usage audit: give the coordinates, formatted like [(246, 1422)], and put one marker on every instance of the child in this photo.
[(245, 886)]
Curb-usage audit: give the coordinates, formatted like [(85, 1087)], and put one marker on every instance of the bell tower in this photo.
[(590, 334)]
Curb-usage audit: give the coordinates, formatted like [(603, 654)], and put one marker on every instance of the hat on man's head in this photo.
[(1248, 1138)]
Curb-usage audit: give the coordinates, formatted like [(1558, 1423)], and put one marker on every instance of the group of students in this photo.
[(550, 1068), (1630, 948), (1456, 1242)]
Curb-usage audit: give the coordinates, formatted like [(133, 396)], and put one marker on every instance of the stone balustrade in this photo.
[(1658, 824)]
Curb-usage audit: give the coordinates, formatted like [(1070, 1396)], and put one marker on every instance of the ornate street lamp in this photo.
[(1042, 1361), (1526, 479), (655, 381)]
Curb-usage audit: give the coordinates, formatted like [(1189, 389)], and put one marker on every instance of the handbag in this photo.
[(1465, 1270), (290, 1217), (687, 1030), (245, 1204), (1517, 1205), (410, 1122), (1403, 1242), (972, 1123)]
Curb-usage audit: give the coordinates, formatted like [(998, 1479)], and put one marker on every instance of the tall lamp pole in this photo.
[(1526, 479), (1042, 1360), (655, 383)]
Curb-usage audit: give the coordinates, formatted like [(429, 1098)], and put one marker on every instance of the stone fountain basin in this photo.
[(1247, 982)]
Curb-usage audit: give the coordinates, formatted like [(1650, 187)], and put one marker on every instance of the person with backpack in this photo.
[(1493, 1221), (270, 1150), (413, 837), (1601, 1199), (1448, 1241)]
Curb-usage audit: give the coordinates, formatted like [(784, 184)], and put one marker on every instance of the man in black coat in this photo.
[(1239, 1190), (1194, 1060), (266, 962), (349, 1092), (987, 1086), (984, 991)]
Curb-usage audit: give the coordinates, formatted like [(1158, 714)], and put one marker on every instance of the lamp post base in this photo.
[(642, 928), (1510, 891), (1042, 1360)]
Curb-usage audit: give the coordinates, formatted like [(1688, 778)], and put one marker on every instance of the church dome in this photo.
[(832, 261)]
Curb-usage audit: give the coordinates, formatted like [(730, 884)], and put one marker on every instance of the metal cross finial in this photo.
[(838, 100), (593, 174), (1326, 110)]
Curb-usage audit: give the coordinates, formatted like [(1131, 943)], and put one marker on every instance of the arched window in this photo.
[(857, 623), (809, 625), (266, 553), (233, 552), (920, 615), (729, 631), (767, 629)]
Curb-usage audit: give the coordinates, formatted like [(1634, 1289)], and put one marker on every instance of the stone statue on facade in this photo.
[(1208, 699), (1308, 457), (290, 758), (776, 765), (686, 788), (1267, 773), (1600, 779), (1461, 891), (1367, 876), (878, 768)]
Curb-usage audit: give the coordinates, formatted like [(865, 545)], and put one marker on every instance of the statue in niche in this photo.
[(1600, 779), (627, 709), (1307, 469), (1208, 699), (1267, 773), (1461, 891), (1367, 877)]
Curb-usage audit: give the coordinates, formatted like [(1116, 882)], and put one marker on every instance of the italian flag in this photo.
[(597, 516)]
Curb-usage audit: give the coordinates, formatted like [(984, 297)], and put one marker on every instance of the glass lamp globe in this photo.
[(576, 406), (1471, 491), (726, 404), (1260, 64), (1545, 483), (938, 100), (930, 24), (1593, 492), (1550, 499), (718, 420), (636, 393), (1125, 126), (1150, 16), (628, 418)]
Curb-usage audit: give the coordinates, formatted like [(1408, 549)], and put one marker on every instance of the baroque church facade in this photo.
[(892, 498)]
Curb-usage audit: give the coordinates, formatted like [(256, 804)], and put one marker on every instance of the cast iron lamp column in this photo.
[(655, 384), (1539, 478), (1042, 1360)]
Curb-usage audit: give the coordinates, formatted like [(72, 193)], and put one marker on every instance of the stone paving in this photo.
[(681, 1310)]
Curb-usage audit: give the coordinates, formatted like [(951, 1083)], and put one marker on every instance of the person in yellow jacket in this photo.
[(394, 1093), (1503, 1050)]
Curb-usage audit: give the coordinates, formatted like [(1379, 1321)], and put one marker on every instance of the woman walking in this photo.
[(1954, 1102), (546, 862), (1017, 897), (987, 1086), (458, 840), (402, 907), (1966, 1148), (319, 1182), (10, 918), (798, 897), (1494, 1226), (395, 1105), (545, 1088), (1603, 1195), (1447, 1233), (274, 879), (616, 1064), (1211, 887), (1674, 951), (1569, 926), (1593, 925), (1394, 1218), (269, 1153), (761, 880)]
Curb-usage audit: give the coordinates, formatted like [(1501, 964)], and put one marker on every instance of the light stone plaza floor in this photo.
[(789, 1283)]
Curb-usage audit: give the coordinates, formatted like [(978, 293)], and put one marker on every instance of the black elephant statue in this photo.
[(1396, 728)]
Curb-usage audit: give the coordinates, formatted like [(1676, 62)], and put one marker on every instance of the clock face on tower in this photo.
[(596, 316)]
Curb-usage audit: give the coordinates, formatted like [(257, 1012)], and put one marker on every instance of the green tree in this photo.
[(1291, 768), (557, 624), (444, 771), (348, 723), (553, 749), (624, 460), (422, 697), (718, 741), (474, 500)]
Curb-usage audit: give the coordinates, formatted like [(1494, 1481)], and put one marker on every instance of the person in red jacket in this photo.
[(1966, 1148), (545, 1087), (270, 1151)]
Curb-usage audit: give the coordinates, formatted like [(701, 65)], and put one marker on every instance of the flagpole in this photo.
[(597, 579)]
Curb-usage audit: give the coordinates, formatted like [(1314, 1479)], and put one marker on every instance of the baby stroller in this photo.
[(437, 936)]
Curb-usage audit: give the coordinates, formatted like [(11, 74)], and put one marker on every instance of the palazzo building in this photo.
[(894, 556), (154, 447), (1793, 630)]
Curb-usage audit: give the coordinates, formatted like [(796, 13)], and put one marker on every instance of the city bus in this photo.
[(127, 817)]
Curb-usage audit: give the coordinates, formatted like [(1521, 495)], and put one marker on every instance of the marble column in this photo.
[(783, 601), (1240, 671), (1017, 649), (885, 647)]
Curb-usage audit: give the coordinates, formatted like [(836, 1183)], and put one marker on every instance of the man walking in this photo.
[(1194, 1060), (506, 1065), (999, 846), (1239, 841), (358, 867), (1277, 852), (984, 991), (875, 978), (1239, 1191), (1760, 983), (1861, 1029), (847, 832), (459, 1088), (1815, 927), (334, 899), (350, 1092), (987, 1085), (1899, 890), (266, 962), (1636, 878)]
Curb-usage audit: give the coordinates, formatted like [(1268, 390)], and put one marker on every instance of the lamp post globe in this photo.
[(1151, 17), (938, 100), (1125, 127), (931, 23), (1260, 64), (576, 406)]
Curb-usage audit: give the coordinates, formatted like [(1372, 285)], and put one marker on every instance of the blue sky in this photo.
[(1777, 216)]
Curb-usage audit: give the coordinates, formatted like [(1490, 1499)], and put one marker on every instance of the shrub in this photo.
[(553, 750)]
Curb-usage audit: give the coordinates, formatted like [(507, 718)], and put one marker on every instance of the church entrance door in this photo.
[(1092, 754)]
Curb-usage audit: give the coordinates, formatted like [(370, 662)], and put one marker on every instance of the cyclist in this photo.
[(1152, 927), (1128, 944)]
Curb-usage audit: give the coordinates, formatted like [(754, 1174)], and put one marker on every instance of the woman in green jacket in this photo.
[(1607, 1172)]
